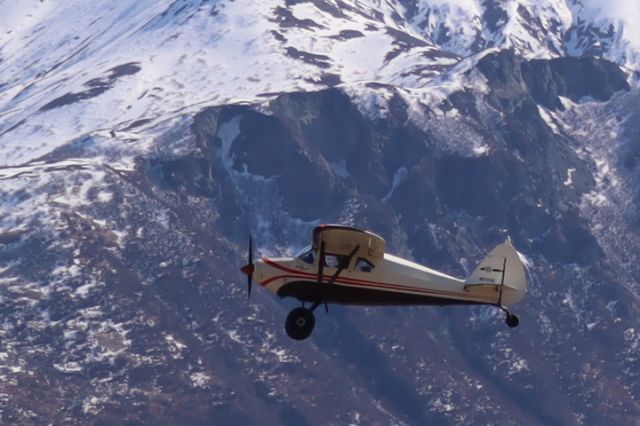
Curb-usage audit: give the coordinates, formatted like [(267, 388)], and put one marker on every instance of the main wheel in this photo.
[(300, 323), (512, 320)]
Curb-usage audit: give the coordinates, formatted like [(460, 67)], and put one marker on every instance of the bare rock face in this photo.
[(573, 78)]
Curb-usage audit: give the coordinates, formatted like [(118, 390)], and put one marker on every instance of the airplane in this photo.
[(349, 266)]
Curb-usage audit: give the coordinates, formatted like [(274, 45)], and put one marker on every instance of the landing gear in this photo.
[(512, 320), (300, 323)]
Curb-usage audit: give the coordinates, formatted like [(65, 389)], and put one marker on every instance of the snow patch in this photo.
[(569, 180), (200, 380), (399, 176), (549, 120), (339, 168), (175, 346), (480, 150), (526, 261), (68, 367), (84, 290)]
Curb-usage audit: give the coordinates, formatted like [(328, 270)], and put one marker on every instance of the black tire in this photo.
[(300, 323), (512, 320)]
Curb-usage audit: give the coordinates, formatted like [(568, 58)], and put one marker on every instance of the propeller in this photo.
[(249, 268), (320, 262)]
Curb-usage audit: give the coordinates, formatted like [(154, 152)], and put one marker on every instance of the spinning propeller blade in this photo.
[(249, 268)]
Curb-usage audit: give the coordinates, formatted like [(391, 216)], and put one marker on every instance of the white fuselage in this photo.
[(392, 275)]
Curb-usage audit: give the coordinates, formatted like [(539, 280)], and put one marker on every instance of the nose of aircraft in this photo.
[(248, 269)]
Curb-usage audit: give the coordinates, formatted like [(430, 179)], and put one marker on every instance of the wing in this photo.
[(343, 240)]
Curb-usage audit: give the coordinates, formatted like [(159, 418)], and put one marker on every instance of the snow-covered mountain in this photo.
[(74, 68), (534, 28), (140, 144)]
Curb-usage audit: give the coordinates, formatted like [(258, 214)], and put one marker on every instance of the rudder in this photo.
[(504, 269)]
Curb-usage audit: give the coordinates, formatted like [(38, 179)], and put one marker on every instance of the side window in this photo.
[(335, 261), (363, 265)]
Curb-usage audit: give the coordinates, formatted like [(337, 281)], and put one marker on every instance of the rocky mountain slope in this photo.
[(141, 144)]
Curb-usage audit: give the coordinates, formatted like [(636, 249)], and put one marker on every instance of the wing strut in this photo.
[(320, 261), (320, 278), (504, 270), (344, 264)]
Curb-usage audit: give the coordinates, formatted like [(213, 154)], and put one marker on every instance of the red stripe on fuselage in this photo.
[(355, 282)]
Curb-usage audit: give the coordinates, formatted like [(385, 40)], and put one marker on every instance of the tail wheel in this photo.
[(512, 320), (300, 323)]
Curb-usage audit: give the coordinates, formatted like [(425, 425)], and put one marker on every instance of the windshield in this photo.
[(303, 251), (306, 255)]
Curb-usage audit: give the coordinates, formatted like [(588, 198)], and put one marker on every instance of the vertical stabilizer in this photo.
[(504, 269)]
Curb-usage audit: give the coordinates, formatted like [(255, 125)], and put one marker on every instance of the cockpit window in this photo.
[(306, 255), (335, 260), (363, 265), (303, 251)]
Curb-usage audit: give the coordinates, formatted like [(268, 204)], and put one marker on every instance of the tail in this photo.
[(503, 269)]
